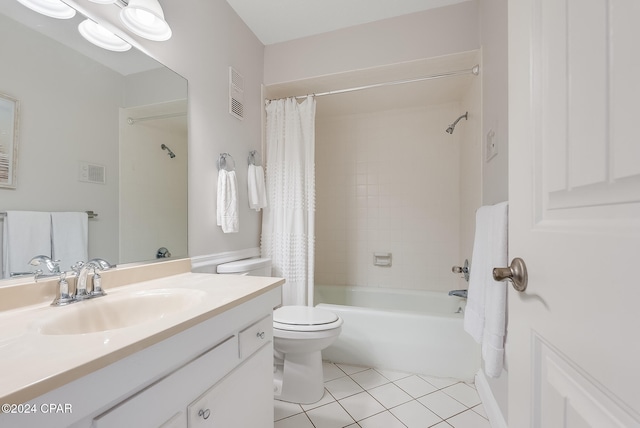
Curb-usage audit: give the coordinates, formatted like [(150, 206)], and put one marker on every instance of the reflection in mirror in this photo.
[(92, 126), (9, 124)]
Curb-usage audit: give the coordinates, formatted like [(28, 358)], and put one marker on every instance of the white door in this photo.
[(573, 347)]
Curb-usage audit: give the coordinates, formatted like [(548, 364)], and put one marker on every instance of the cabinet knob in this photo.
[(205, 413), (260, 335)]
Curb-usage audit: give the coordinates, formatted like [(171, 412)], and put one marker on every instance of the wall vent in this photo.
[(236, 94), (92, 173)]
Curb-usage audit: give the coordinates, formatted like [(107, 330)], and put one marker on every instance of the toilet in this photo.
[(300, 333)]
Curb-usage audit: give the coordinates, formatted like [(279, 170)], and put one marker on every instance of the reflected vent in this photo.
[(236, 93), (92, 173)]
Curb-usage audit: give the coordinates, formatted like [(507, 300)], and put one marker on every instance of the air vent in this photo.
[(236, 94), (92, 173)]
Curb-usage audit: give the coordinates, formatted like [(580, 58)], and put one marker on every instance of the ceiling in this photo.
[(275, 21)]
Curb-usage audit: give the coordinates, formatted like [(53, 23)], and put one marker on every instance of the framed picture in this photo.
[(9, 116)]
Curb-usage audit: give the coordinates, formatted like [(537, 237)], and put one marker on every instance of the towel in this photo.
[(69, 238), (227, 203), (485, 313), (257, 193), (26, 234)]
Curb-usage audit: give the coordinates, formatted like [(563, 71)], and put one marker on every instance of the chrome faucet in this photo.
[(82, 271), (52, 265), (458, 293)]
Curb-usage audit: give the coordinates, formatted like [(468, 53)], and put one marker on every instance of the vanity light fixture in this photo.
[(101, 37), (52, 8), (146, 19)]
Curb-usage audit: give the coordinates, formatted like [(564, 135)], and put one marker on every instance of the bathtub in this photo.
[(405, 330)]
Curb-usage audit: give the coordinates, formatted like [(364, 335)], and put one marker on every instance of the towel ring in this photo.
[(254, 158), (226, 162)]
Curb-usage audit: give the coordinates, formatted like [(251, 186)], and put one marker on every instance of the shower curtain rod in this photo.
[(132, 120), (475, 70)]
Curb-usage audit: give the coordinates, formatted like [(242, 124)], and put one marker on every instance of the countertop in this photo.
[(34, 363)]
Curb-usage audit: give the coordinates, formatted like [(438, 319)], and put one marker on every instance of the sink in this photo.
[(119, 311)]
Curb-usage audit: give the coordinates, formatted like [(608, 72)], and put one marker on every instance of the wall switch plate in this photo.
[(491, 149)]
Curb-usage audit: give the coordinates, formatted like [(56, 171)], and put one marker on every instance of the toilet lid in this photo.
[(302, 317)]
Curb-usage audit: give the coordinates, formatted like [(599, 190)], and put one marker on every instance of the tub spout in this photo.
[(458, 293)]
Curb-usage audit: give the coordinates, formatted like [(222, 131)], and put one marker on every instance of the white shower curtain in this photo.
[(288, 220)]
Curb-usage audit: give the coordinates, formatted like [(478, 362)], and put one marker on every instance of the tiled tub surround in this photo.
[(389, 181), (35, 364), (358, 396)]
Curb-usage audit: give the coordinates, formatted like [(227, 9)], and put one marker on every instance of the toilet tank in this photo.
[(259, 266)]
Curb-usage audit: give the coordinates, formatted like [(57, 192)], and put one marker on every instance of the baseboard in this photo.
[(209, 262), (496, 418)]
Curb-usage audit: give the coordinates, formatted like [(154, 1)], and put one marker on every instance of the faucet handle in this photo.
[(63, 297), (97, 285)]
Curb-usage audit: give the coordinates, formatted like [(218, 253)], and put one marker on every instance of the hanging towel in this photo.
[(26, 234), (257, 192), (227, 203), (69, 238), (485, 313)]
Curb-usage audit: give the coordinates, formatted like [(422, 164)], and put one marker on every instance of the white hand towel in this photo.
[(26, 234), (69, 238), (227, 203), (257, 192), (485, 313)]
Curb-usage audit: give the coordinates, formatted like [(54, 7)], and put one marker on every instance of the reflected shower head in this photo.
[(453, 125), (169, 152)]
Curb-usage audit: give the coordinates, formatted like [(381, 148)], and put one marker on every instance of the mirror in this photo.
[(99, 131)]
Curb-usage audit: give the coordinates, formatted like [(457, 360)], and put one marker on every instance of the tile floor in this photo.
[(374, 398)]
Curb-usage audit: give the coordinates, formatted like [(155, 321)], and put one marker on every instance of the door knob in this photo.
[(516, 273)]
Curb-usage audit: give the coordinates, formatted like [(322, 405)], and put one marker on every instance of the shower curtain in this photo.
[(288, 220)]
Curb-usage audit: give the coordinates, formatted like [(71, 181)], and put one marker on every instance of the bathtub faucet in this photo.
[(458, 293)]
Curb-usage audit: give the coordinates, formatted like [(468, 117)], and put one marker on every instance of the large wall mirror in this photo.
[(98, 131)]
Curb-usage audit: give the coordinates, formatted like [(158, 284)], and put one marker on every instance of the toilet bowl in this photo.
[(300, 333)]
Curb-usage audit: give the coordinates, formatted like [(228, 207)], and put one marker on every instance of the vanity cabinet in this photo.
[(218, 372), (236, 376), (235, 399)]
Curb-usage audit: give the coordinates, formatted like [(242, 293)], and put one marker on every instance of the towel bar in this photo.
[(90, 214)]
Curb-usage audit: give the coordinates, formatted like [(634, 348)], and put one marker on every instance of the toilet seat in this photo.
[(304, 318)]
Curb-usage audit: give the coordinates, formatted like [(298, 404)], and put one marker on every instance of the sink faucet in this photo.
[(52, 265), (82, 270)]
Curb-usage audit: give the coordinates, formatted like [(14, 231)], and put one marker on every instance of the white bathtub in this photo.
[(406, 330)]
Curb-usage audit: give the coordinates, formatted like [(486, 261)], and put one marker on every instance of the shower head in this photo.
[(453, 125), (169, 152)]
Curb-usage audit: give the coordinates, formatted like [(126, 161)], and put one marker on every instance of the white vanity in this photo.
[(208, 363)]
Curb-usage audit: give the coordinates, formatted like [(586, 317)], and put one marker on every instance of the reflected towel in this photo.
[(485, 313), (257, 192), (26, 234), (69, 238), (227, 202)]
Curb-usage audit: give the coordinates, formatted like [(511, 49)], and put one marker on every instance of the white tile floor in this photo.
[(374, 398)]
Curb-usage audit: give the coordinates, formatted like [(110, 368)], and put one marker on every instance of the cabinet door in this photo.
[(163, 403), (242, 399)]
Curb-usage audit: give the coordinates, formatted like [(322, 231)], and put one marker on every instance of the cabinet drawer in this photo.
[(254, 336)]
